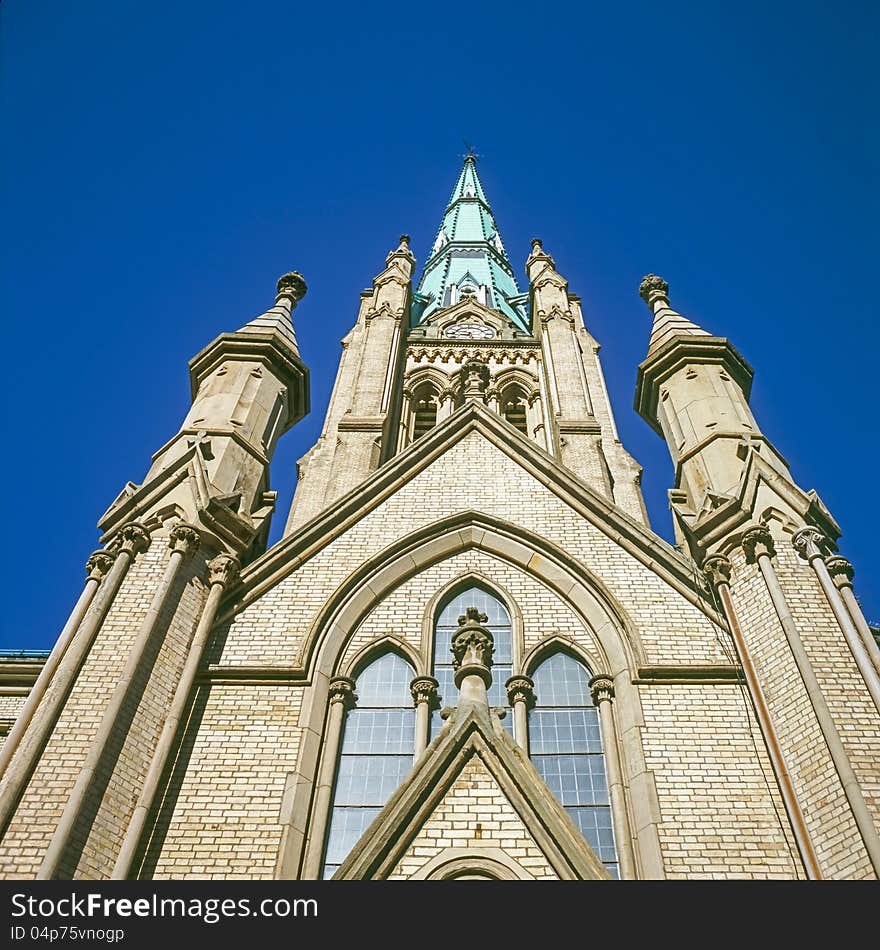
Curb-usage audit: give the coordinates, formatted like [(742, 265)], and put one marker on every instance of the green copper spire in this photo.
[(468, 257)]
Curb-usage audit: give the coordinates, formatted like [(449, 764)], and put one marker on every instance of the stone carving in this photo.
[(472, 643), (424, 690), (601, 688), (757, 541), (293, 285), (653, 287), (223, 569), (717, 569), (184, 538), (342, 691), (841, 570), (520, 689), (99, 563), (810, 543), (134, 538)]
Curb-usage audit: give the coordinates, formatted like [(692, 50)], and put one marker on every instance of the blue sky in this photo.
[(164, 163)]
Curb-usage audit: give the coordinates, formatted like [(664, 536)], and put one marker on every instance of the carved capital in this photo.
[(841, 571), (653, 288), (717, 570), (424, 690), (223, 569), (133, 538), (520, 689), (184, 538), (601, 688), (292, 285), (757, 541), (98, 564), (810, 543), (342, 691)]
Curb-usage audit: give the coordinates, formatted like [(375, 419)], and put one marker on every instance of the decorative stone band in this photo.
[(811, 543), (223, 569), (98, 564), (717, 569), (520, 689), (424, 690), (841, 571), (342, 691), (757, 541), (601, 688), (185, 539)]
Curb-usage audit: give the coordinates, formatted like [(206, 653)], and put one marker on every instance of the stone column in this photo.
[(602, 691), (342, 698), (424, 694), (472, 649), (183, 542), (842, 574), (521, 696), (132, 539), (97, 566), (535, 420), (757, 543), (222, 571), (717, 570), (812, 546), (493, 400), (404, 436)]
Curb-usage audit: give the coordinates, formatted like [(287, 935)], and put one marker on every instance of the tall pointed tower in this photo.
[(469, 657)]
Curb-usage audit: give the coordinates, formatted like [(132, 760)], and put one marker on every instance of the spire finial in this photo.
[(471, 154), (652, 289), (293, 286)]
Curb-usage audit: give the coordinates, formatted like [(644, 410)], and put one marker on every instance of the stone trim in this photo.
[(492, 861), (678, 675)]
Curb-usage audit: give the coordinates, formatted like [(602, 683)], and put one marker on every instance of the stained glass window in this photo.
[(375, 754), (565, 744), (502, 659)]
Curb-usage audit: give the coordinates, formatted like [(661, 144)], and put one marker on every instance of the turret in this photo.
[(248, 388)]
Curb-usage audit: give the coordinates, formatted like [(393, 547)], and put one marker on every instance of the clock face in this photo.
[(469, 331)]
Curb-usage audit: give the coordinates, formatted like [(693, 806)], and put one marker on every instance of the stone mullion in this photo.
[(133, 539), (183, 541)]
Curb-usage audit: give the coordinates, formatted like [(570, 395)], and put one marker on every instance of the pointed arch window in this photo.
[(446, 624), (424, 409), (375, 754), (565, 745), (513, 408)]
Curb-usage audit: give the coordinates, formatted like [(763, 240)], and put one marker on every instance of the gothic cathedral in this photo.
[(469, 656)]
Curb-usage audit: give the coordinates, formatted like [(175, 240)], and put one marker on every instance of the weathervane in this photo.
[(470, 151)]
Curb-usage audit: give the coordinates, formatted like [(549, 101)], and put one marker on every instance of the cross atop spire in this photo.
[(468, 256)]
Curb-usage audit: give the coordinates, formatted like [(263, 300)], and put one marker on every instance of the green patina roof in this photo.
[(468, 248)]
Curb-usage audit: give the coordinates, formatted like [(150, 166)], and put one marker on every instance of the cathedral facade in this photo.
[(469, 656)]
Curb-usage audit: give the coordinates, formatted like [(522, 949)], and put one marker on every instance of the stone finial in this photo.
[(133, 538), (292, 285), (717, 569), (404, 243), (841, 571), (601, 688), (184, 538), (653, 288), (342, 691), (424, 690), (537, 246), (98, 564), (472, 647), (223, 569), (811, 543), (757, 541), (520, 689)]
